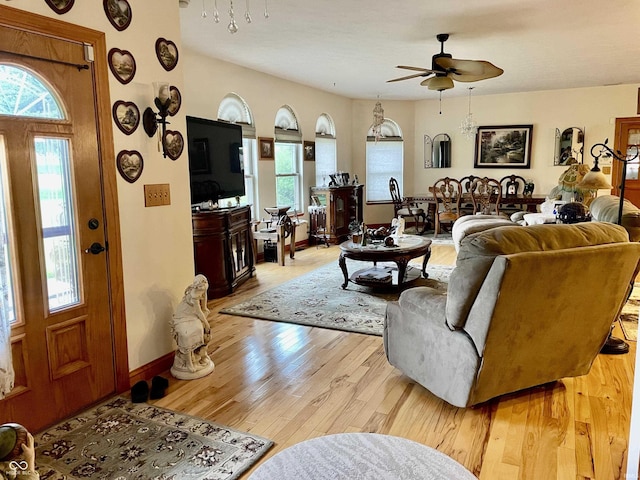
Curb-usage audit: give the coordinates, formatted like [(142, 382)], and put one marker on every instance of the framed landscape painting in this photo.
[(507, 146)]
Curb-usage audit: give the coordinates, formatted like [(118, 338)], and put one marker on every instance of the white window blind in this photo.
[(384, 160), (326, 162)]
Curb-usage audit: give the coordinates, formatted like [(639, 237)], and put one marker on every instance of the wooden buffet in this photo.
[(223, 248)]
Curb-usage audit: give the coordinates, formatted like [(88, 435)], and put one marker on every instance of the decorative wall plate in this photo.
[(126, 115), (130, 164), (176, 100), (167, 53), (122, 65), (118, 12), (60, 6), (173, 144)]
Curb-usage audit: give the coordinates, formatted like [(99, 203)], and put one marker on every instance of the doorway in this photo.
[(627, 140), (59, 224)]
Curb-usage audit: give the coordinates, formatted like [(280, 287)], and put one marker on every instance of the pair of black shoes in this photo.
[(140, 391)]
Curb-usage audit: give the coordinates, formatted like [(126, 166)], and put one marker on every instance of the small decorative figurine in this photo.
[(192, 332)]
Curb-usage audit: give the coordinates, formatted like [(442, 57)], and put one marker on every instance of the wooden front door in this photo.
[(626, 140), (52, 231)]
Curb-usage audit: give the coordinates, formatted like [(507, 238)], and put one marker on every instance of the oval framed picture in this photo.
[(126, 115), (130, 164), (60, 6), (173, 144), (176, 100), (167, 53), (118, 12), (122, 65)]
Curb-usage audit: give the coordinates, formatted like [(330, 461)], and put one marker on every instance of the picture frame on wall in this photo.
[(122, 65), (266, 147), (130, 165), (504, 146), (309, 151), (60, 6), (126, 115), (118, 12), (167, 53)]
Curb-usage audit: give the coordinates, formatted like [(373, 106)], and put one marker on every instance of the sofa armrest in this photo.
[(425, 301)]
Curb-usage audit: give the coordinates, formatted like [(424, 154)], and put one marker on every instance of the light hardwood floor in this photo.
[(290, 383)]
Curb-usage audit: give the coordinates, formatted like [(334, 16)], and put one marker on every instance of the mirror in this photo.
[(437, 151), (569, 145)]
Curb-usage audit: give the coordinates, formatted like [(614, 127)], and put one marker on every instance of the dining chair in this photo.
[(511, 187), (466, 204), (486, 196), (448, 193), (404, 209)]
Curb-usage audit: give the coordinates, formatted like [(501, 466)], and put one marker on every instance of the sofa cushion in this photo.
[(478, 251), (605, 209)]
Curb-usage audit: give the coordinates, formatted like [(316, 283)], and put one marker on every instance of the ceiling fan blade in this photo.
[(417, 69), (438, 83), (469, 70), (408, 77)]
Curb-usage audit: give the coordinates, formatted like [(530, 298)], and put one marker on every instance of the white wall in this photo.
[(208, 80), (157, 242), (593, 109)]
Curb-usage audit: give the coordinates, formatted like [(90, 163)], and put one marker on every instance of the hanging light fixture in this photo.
[(232, 27), (378, 120), (468, 127)]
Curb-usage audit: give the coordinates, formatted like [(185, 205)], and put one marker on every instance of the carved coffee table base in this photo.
[(399, 255)]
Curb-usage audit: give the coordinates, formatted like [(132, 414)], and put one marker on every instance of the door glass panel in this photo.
[(60, 244), (633, 141), (24, 95), (7, 292)]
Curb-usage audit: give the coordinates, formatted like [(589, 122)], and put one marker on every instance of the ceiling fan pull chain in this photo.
[(440, 102), (266, 9)]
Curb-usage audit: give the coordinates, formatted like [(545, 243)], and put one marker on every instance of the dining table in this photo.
[(530, 202)]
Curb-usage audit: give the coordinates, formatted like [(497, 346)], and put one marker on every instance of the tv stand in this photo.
[(223, 248)]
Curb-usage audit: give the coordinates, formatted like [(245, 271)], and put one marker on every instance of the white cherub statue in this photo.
[(192, 332)]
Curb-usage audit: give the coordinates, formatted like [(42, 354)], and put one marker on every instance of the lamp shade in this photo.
[(572, 177), (594, 180), (438, 83)]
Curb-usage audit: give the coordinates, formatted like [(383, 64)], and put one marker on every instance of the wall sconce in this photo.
[(150, 119)]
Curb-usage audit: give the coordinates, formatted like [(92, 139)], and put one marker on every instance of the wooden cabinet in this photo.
[(343, 205), (223, 248)]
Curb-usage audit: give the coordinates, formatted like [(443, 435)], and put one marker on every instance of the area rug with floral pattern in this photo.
[(120, 440), (629, 315), (318, 300)]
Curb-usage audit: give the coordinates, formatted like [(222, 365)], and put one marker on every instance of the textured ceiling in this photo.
[(351, 47)]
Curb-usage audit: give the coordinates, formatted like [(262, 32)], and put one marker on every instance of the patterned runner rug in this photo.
[(120, 440), (318, 300), (629, 315)]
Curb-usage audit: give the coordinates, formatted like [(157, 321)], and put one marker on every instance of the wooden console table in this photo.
[(223, 248)]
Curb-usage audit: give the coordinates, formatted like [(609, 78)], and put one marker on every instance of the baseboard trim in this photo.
[(151, 369)]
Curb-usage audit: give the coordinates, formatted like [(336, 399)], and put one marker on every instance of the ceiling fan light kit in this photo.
[(445, 69)]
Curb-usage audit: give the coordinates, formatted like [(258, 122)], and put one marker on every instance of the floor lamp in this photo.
[(596, 180)]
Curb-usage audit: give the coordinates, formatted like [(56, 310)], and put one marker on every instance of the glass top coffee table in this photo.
[(406, 248)]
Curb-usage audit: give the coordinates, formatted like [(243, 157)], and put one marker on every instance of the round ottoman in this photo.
[(360, 456)]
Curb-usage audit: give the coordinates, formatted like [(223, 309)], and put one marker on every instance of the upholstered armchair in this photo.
[(524, 306)]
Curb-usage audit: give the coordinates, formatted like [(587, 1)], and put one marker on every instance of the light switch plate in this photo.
[(157, 194)]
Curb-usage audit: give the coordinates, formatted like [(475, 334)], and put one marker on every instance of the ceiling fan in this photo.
[(444, 69)]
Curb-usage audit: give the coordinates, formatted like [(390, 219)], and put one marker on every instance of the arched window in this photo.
[(234, 109), (385, 159), (288, 159), (326, 154), (25, 95)]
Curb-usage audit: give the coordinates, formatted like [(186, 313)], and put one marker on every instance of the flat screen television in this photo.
[(216, 165)]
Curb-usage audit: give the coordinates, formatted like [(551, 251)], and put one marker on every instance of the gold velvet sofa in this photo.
[(524, 306)]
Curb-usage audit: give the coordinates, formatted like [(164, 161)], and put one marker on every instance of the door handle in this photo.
[(95, 249)]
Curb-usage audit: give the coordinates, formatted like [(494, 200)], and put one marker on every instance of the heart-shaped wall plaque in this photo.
[(126, 115), (130, 164), (173, 144), (122, 65), (167, 53)]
